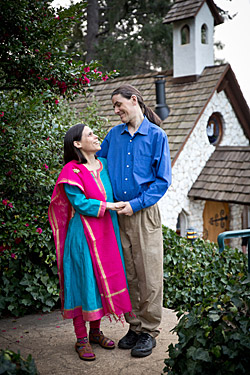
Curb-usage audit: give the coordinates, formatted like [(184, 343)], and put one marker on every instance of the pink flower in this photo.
[(36, 50), (86, 80), (9, 173), (56, 101), (5, 202), (47, 139), (27, 225), (114, 71), (45, 166), (87, 69), (10, 205), (57, 18), (105, 78), (39, 230), (1, 114), (13, 255)]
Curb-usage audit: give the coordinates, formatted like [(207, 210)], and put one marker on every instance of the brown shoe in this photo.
[(85, 351), (98, 337)]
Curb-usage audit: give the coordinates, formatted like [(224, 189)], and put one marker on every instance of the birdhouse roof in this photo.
[(183, 9)]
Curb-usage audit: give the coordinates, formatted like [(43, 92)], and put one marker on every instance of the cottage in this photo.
[(207, 121)]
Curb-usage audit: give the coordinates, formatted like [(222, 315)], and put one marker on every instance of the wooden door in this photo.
[(215, 219)]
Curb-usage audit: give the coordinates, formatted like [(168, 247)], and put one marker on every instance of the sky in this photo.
[(234, 34)]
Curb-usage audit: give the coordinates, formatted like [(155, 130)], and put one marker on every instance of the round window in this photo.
[(214, 129)]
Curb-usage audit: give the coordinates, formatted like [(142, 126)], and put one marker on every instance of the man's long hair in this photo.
[(127, 91)]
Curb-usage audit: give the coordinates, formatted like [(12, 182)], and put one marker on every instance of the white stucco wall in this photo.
[(191, 161)]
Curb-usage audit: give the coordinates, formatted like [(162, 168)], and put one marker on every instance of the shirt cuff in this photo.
[(135, 204), (102, 209)]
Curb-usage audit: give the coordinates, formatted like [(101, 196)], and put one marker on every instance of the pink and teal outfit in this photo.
[(89, 254)]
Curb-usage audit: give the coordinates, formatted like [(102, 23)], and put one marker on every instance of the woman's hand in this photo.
[(117, 206)]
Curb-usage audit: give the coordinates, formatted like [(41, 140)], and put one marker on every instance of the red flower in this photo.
[(1, 114), (56, 101), (39, 230), (27, 225), (5, 202), (9, 173), (18, 240), (105, 78), (10, 205), (45, 166), (87, 69)]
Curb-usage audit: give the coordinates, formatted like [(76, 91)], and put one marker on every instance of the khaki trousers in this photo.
[(142, 242)]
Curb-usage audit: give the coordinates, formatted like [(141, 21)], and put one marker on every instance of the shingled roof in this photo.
[(186, 101), (225, 177), (183, 9)]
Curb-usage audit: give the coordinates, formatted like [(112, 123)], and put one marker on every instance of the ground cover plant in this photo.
[(12, 363), (211, 294)]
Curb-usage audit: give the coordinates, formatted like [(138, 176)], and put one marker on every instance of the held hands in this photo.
[(120, 207), (124, 208)]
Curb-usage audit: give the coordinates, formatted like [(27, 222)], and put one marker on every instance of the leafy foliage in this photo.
[(31, 139), (12, 363), (210, 292), (32, 53)]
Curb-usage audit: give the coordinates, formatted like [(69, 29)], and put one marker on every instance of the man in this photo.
[(140, 171)]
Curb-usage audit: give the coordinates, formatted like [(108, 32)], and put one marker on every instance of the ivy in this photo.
[(210, 293)]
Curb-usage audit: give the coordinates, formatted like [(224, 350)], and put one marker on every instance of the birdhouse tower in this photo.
[(193, 29)]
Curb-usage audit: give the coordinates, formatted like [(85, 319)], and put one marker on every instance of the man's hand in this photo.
[(126, 210)]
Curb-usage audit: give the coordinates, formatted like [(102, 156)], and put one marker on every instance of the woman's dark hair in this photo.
[(70, 151), (127, 91)]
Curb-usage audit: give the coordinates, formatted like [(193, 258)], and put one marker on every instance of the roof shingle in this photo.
[(225, 177)]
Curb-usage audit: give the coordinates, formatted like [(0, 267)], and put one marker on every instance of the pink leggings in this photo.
[(80, 326)]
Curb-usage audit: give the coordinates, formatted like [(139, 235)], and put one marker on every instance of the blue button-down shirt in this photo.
[(139, 165)]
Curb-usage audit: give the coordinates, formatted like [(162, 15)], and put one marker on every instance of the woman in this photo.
[(85, 228)]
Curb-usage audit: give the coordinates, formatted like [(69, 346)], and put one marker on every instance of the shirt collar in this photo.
[(143, 128)]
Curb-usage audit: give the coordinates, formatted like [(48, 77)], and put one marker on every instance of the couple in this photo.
[(104, 268)]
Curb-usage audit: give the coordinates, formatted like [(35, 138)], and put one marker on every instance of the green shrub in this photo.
[(12, 363), (195, 271), (214, 337), (210, 292)]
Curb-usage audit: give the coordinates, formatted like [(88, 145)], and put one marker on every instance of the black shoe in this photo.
[(129, 340), (144, 345)]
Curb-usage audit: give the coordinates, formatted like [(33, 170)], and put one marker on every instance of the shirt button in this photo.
[(127, 166), (128, 153), (130, 140), (125, 192), (126, 179)]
